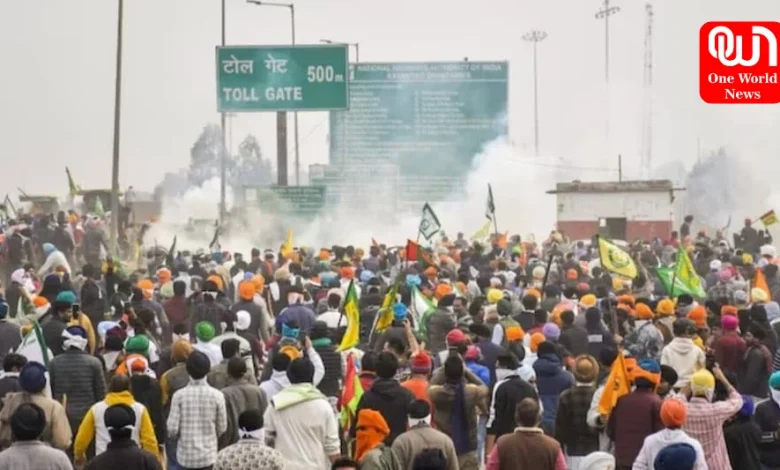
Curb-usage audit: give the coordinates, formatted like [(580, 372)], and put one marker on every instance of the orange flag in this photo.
[(616, 386), (759, 282)]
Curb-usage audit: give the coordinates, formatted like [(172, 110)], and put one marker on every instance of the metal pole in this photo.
[(604, 14), (606, 43), (223, 152), (357, 52), (535, 37), (117, 115), (295, 115), (536, 108)]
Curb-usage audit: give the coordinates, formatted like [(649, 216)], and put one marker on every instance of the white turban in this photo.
[(598, 461), (243, 320)]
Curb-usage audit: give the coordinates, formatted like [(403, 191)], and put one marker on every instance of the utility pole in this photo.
[(604, 14), (224, 151), (535, 37), (647, 148), (281, 116), (114, 235)]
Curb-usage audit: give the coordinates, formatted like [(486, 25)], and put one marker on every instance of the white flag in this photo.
[(490, 210), (429, 225)]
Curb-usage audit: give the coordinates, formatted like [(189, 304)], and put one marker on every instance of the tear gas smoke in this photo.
[(518, 183)]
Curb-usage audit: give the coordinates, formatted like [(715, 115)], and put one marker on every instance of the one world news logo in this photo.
[(738, 62)]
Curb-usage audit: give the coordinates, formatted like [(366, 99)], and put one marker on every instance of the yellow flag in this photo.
[(483, 233), (616, 385), (385, 315), (287, 246), (615, 260), (351, 337), (770, 218)]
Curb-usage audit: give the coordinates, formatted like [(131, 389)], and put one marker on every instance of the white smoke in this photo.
[(519, 184)]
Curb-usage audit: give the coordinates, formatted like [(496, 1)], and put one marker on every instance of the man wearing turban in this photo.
[(705, 419), (673, 416)]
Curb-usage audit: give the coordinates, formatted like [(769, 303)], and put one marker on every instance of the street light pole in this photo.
[(281, 117), (604, 14), (114, 235), (356, 45), (535, 37), (224, 151)]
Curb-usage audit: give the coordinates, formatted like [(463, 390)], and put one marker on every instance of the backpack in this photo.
[(430, 459)]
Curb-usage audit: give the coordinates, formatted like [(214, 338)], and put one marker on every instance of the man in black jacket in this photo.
[(767, 417), (574, 338), (93, 300), (508, 392), (331, 359), (387, 396), (122, 451)]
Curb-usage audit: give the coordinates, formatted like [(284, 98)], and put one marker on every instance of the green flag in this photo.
[(99, 208), (667, 277)]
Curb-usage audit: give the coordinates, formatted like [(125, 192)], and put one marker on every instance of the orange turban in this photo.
[(347, 272), (217, 279), (40, 301), (147, 287), (324, 255), (698, 315), (163, 275), (643, 312), (729, 310), (372, 430), (246, 290), (626, 299), (442, 290), (534, 292), (430, 272), (515, 333), (536, 340), (673, 413)]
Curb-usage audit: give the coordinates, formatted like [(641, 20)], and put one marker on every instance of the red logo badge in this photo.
[(738, 62)]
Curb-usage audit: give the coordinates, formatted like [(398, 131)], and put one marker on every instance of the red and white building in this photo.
[(621, 210)]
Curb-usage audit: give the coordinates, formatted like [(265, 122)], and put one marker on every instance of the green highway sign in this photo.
[(282, 78), (287, 200), (427, 120)]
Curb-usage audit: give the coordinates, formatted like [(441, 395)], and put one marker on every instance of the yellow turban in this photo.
[(494, 295), (703, 383)]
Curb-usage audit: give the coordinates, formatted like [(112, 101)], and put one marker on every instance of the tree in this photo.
[(250, 167), (205, 155)]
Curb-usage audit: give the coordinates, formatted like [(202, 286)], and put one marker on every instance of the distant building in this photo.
[(621, 210)]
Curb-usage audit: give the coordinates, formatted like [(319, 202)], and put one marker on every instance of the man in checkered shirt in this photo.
[(705, 418), (198, 417)]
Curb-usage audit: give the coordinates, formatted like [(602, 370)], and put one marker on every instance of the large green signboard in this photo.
[(287, 200), (429, 120), (282, 78)]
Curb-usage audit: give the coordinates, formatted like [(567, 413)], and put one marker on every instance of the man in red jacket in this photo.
[(730, 347), (636, 415)]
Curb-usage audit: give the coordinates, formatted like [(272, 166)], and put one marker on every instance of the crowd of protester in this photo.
[(506, 355)]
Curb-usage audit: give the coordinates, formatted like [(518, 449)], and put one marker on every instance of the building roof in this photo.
[(643, 186)]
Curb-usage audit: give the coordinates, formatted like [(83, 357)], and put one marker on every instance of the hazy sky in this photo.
[(56, 89)]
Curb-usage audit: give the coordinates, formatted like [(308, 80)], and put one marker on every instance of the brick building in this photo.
[(621, 210)]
